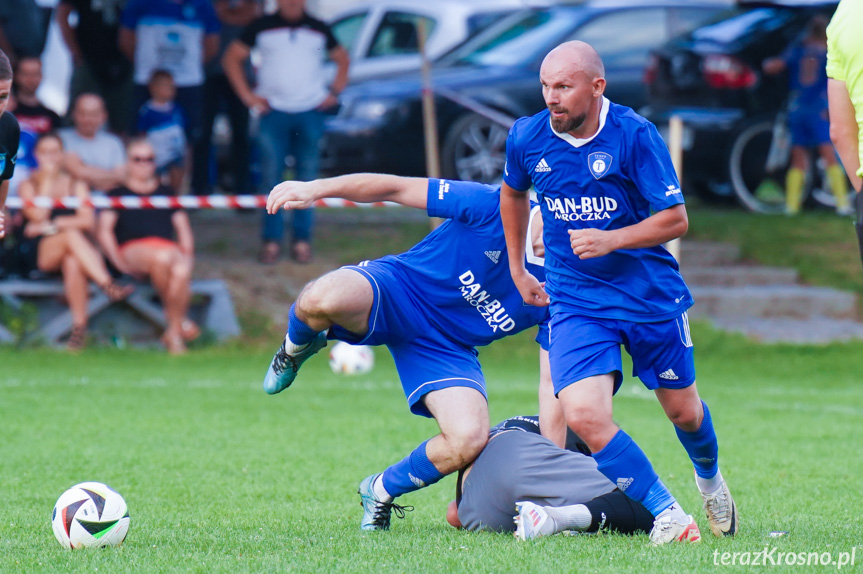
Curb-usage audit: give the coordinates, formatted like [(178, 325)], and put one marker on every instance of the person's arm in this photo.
[(211, 47), (108, 241), (64, 10), (4, 191), (774, 66), (95, 177), (359, 187), (514, 213), (84, 218), (657, 229), (844, 131), (38, 219), (232, 63), (126, 41), (552, 423), (183, 229), (343, 61)]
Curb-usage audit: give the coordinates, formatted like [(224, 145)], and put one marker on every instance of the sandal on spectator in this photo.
[(116, 292), (301, 252), (77, 338), (270, 252)]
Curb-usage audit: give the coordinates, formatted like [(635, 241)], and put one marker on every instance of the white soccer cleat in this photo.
[(532, 521), (666, 530), (721, 511)]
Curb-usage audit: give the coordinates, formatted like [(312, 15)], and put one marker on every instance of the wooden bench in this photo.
[(137, 319)]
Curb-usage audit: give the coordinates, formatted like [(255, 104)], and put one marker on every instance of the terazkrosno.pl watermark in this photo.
[(772, 556)]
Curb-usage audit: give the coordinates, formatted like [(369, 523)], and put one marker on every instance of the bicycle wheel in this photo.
[(757, 188)]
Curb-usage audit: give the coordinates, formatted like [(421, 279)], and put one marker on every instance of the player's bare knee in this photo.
[(686, 417), (466, 445)]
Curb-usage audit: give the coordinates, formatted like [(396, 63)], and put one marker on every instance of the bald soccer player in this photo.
[(609, 199)]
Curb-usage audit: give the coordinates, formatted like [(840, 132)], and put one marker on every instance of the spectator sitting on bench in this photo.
[(153, 243), (61, 235)]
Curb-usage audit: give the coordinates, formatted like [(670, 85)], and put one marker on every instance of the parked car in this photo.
[(712, 78), (483, 84), (382, 36)]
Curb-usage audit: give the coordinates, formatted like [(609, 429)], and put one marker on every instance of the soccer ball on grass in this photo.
[(351, 359), (90, 514)]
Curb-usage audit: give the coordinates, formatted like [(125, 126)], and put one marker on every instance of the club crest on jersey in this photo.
[(599, 163), (2, 162)]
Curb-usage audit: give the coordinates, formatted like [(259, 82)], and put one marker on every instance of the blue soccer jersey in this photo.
[(460, 271), (611, 180)]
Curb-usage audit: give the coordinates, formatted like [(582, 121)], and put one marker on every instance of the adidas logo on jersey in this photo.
[(542, 166), (493, 255), (668, 375), (623, 483)]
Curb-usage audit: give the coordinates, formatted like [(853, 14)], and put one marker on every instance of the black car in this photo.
[(490, 80), (733, 113)]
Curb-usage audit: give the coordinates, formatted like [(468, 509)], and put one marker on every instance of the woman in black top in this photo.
[(61, 233), (153, 243)]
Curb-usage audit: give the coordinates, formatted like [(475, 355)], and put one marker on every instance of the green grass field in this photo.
[(220, 477)]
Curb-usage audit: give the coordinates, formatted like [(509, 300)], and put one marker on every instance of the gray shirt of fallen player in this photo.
[(518, 464)]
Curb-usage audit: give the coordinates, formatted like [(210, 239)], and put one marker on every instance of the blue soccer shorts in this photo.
[(582, 347), (809, 128), (425, 358)]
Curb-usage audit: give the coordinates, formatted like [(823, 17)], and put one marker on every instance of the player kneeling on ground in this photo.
[(551, 489), (431, 306)]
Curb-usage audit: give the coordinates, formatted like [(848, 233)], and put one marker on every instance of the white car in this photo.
[(381, 36)]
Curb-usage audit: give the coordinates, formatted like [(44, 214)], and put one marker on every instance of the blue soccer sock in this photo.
[(413, 472), (626, 465), (298, 332), (701, 446)]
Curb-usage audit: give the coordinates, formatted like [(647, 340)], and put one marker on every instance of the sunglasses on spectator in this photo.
[(144, 159)]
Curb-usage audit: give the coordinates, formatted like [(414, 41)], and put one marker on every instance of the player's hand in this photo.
[(532, 291), (589, 243), (290, 195)]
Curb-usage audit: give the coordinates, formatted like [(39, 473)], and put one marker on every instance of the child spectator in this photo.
[(806, 63), (164, 123)]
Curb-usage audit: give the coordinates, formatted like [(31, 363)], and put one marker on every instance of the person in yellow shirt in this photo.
[(845, 94)]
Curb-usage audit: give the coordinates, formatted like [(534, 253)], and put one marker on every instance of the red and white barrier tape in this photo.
[(170, 202)]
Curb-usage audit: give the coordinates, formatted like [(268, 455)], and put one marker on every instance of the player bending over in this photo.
[(599, 170), (431, 306), (551, 489)]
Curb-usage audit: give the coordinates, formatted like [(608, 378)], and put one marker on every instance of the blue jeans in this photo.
[(280, 134)]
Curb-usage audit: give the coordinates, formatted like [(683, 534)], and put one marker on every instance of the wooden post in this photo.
[(429, 117), (675, 147)]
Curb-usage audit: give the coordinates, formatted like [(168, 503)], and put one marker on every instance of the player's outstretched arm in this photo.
[(4, 191), (657, 229), (359, 187), (514, 213)]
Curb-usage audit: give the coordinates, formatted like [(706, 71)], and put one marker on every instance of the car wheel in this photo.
[(475, 149), (757, 177)]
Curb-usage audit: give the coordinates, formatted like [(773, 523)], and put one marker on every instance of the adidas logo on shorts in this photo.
[(668, 375)]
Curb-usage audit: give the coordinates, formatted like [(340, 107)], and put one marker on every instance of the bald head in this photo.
[(573, 81), (575, 57)]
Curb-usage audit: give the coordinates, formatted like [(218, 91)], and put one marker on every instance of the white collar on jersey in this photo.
[(574, 141), (529, 253)]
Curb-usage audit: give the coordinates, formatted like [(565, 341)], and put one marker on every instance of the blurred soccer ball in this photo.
[(90, 514), (351, 359)]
